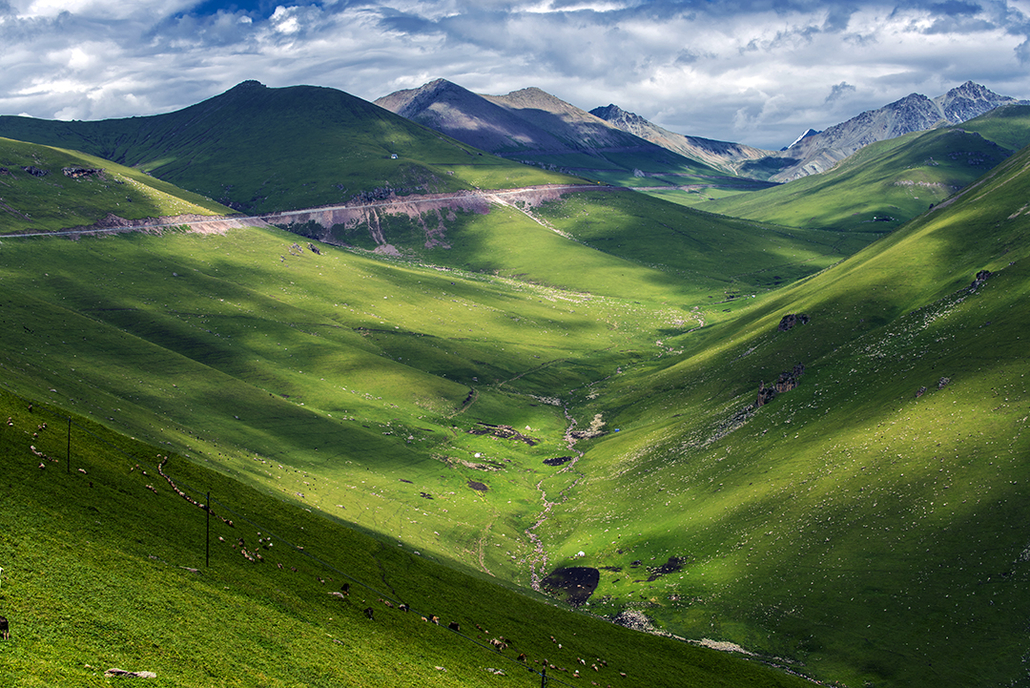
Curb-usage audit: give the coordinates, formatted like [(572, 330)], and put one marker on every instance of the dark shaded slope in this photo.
[(260, 149)]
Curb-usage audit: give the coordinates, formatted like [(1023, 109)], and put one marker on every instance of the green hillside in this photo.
[(260, 149), (49, 189), (571, 385), (887, 183), (105, 566), (867, 523), (623, 243)]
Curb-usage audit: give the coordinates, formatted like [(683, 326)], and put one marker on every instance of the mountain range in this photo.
[(820, 151), (533, 121)]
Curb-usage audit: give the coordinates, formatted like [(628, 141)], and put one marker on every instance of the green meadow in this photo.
[(259, 149), (573, 384), (55, 201), (105, 566)]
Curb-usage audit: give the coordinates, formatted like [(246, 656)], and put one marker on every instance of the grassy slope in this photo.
[(896, 179), (109, 324), (56, 201), (334, 363), (102, 571), (636, 169), (874, 534), (260, 149), (624, 243)]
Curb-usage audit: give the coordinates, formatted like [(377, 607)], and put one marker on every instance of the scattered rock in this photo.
[(505, 432), (637, 620), (80, 172), (129, 674)]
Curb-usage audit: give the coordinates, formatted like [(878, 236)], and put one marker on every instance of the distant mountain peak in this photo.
[(808, 132), (615, 115), (968, 101), (248, 85)]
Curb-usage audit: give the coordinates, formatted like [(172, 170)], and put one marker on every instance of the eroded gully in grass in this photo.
[(538, 558)]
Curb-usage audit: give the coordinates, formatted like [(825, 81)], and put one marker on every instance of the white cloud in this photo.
[(720, 70)]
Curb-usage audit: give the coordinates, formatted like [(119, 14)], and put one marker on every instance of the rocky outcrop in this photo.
[(980, 280), (80, 172), (790, 320), (787, 381)]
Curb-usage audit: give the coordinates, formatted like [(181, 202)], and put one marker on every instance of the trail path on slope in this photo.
[(509, 198)]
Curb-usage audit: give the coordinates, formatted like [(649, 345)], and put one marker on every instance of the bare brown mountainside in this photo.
[(723, 155), (521, 122)]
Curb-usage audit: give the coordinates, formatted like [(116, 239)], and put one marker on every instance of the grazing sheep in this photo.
[(5, 629)]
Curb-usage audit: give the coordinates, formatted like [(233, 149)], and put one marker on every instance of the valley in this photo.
[(801, 440)]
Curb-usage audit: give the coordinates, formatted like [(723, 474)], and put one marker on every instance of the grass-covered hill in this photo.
[(622, 242), (869, 519), (886, 183), (107, 564), (49, 189), (433, 406), (573, 385), (260, 149)]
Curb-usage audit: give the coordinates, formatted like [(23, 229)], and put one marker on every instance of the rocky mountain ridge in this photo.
[(915, 112), (528, 120), (533, 121), (722, 155)]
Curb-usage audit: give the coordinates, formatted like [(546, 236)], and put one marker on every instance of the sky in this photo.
[(758, 72)]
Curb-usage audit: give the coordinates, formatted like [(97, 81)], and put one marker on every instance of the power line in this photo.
[(241, 518)]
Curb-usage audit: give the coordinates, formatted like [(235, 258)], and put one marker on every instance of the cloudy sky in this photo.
[(753, 71)]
